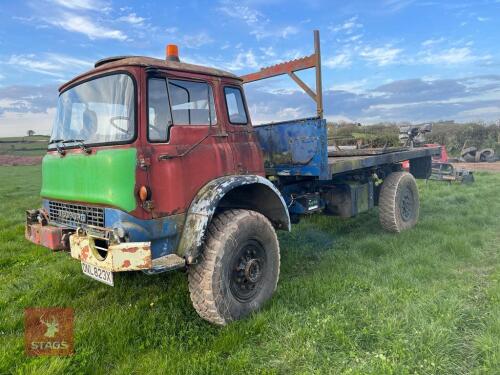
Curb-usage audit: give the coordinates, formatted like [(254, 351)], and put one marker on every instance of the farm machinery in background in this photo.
[(473, 155), (442, 169)]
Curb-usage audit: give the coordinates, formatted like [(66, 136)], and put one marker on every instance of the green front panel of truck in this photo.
[(104, 177)]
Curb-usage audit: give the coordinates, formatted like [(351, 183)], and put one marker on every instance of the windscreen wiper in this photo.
[(59, 149), (80, 143)]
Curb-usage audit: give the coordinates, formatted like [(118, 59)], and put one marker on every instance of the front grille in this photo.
[(75, 215)]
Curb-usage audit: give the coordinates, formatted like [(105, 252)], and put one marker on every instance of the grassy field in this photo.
[(351, 299), (35, 145)]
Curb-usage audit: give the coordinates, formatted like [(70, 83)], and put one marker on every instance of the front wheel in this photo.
[(238, 270)]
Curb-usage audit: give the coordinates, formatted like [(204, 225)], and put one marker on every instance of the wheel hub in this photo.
[(247, 271), (407, 205), (252, 270)]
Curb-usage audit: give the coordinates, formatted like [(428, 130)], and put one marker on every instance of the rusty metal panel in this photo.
[(168, 262), (290, 67), (295, 148), (149, 62), (32, 233), (131, 256), (46, 235), (283, 68)]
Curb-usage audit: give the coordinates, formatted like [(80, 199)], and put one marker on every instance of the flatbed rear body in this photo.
[(300, 148), (312, 179)]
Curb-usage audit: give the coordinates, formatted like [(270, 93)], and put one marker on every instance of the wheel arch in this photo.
[(238, 191)]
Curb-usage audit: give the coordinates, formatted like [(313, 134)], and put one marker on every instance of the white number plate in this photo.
[(98, 273)]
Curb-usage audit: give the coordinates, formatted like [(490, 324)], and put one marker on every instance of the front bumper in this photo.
[(128, 256), (149, 250)]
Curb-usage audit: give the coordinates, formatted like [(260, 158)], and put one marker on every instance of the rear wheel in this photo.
[(399, 202), (239, 268)]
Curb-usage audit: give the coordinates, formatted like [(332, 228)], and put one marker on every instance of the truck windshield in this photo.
[(96, 112)]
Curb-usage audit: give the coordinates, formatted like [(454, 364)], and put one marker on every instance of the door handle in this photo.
[(222, 135)]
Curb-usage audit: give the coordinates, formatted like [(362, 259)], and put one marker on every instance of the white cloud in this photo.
[(475, 99), (261, 113), (432, 42), (454, 52), (95, 5), (339, 119), (451, 56), (348, 27), (268, 51), (171, 30), (196, 40), (289, 113), (279, 90), (267, 32), (479, 113), (260, 25), (381, 55), (341, 60), (356, 87), (354, 38), (243, 60), (132, 19), (483, 19), (28, 62), (51, 64), (396, 5), (248, 15), (288, 30), (15, 124), (84, 25)]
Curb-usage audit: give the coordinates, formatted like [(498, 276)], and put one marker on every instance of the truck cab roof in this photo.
[(150, 62)]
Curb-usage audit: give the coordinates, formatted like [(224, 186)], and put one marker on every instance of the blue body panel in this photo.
[(295, 148), (163, 233)]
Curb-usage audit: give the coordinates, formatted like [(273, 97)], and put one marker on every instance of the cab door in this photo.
[(247, 154), (187, 150)]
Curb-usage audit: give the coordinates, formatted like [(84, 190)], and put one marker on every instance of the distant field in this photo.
[(35, 145), (352, 298)]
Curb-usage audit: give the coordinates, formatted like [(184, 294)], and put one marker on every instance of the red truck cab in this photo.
[(143, 153)]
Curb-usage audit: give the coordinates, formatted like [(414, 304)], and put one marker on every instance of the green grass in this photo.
[(35, 145), (351, 299)]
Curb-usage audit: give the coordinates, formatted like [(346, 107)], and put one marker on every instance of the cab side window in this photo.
[(160, 118), (192, 102), (235, 107)]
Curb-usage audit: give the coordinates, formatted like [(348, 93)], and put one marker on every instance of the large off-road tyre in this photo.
[(399, 202), (238, 269)]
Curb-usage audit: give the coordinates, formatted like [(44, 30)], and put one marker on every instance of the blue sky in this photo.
[(383, 60)]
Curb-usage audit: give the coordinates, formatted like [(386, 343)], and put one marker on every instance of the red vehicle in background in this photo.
[(442, 158), (443, 170)]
